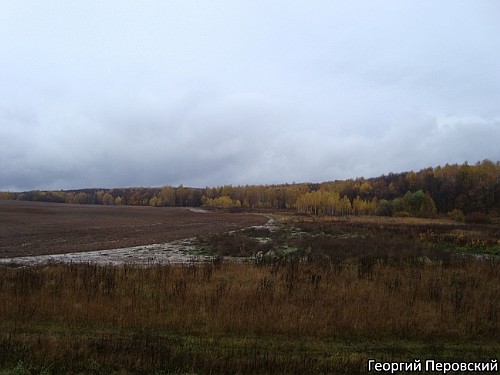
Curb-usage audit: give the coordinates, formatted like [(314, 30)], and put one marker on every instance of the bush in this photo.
[(477, 218), (456, 215), (384, 208), (402, 214)]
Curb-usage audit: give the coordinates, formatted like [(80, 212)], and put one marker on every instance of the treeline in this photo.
[(454, 188)]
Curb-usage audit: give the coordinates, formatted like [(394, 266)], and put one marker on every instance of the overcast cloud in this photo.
[(204, 93)]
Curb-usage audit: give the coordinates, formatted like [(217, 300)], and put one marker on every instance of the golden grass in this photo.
[(131, 319)]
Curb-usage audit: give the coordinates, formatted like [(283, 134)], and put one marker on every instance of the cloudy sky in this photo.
[(124, 93)]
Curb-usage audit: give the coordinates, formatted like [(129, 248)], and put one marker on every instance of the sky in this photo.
[(206, 93)]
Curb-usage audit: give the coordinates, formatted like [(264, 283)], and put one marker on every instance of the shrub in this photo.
[(477, 218), (456, 215)]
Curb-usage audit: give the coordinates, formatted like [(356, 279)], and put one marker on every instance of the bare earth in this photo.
[(36, 228)]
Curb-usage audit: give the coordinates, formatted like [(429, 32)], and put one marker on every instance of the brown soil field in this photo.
[(36, 228)]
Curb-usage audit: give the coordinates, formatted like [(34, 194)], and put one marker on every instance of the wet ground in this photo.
[(34, 231), (175, 252)]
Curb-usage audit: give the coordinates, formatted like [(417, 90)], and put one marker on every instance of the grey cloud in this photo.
[(168, 93)]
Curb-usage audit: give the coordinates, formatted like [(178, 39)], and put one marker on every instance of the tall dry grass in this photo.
[(178, 318)]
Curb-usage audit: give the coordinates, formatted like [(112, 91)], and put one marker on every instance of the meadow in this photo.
[(312, 296)]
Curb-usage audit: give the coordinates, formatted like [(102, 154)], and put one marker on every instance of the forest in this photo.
[(461, 191)]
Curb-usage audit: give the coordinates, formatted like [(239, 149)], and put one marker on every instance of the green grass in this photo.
[(479, 250), (163, 352)]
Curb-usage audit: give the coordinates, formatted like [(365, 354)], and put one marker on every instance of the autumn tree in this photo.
[(5, 195), (384, 207), (107, 199), (222, 202), (167, 196)]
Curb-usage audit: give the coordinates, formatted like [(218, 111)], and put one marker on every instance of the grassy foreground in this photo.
[(323, 297), (289, 317)]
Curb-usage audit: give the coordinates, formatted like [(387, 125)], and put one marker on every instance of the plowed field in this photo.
[(36, 228)]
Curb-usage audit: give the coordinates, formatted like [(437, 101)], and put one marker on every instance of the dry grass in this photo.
[(237, 318)]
